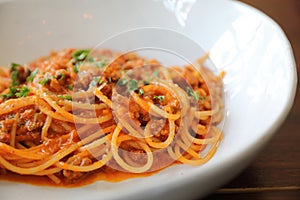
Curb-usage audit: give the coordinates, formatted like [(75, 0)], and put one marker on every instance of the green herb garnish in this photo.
[(13, 66), (141, 92), (122, 82), (14, 74), (133, 85), (21, 124), (96, 81), (66, 97), (70, 87), (90, 59), (101, 64), (13, 89), (45, 81), (145, 82), (23, 92), (11, 116), (76, 67), (161, 98), (192, 93), (61, 76), (18, 92), (32, 75), (11, 93), (101, 81), (80, 55)]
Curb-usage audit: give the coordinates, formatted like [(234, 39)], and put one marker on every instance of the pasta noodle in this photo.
[(75, 113)]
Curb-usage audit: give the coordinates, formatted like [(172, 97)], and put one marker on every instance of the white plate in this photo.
[(260, 78)]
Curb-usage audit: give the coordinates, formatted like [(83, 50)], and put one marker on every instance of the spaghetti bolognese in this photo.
[(77, 112)]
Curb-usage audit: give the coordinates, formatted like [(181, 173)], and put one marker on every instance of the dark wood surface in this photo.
[(275, 174)]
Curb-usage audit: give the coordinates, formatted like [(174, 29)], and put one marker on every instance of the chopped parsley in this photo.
[(14, 74), (11, 116), (133, 85), (141, 92), (21, 124), (122, 82), (161, 98), (192, 93), (32, 75), (76, 67), (14, 66), (61, 76), (23, 92), (14, 90), (66, 97), (101, 81), (18, 92), (11, 93), (80, 55), (101, 64), (70, 87), (90, 59), (145, 82), (96, 80), (45, 81)]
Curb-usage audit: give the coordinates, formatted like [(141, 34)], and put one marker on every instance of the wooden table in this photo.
[(275, 174)]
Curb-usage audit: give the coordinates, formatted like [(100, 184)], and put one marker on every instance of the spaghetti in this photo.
[(77, 112)]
